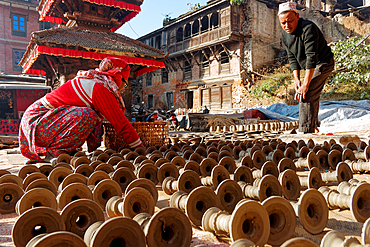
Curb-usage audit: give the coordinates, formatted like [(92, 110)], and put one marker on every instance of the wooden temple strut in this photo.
[(179, 64), (206, 56), (191, 65), (213, 53), (169, 65), (51, 66), (227, 51), (194, 58)]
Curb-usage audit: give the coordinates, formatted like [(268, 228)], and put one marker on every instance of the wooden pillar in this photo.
[(209, 98)]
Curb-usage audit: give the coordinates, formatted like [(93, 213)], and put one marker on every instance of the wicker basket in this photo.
[(149, 133)]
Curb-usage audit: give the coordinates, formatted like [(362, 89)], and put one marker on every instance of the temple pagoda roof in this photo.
[(75, 43), (106, 15)]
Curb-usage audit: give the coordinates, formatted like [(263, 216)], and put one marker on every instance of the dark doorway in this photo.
[(189, 99)]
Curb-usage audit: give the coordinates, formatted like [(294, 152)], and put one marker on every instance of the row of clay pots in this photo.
[(266, 126), (328, 155)]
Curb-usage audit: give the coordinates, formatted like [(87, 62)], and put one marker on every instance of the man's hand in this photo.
[(297, 84), (303, 88), (301, 92)]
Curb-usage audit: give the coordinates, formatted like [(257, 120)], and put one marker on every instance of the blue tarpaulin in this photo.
[(328, 111)]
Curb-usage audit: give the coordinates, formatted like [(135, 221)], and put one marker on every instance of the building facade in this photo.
[(19, 19), (205, 47), (214, 51)]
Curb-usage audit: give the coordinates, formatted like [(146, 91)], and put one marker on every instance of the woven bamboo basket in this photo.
[(149, 133)]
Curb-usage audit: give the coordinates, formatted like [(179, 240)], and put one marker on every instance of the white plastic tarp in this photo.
[(329, 110)]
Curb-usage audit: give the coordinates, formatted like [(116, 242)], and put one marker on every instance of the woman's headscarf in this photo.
[(117, 68), (110, 73)]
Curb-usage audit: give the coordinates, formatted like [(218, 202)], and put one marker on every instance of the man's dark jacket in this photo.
[(306, 46)]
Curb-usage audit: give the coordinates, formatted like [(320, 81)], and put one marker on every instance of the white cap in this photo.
[(287, 6)]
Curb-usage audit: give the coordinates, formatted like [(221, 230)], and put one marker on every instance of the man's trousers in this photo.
[(309, 107)]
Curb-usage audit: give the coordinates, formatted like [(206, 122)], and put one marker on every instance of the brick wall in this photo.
[(238, 94), (8, 42), (235, 66), (265, 30), (158, 89)]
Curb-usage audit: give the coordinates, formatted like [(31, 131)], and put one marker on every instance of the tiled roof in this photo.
[(88, 39)]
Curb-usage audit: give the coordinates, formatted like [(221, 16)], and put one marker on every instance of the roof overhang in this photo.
[(146, 65)]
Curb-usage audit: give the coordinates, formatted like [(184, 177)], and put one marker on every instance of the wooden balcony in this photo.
[(200, 39)]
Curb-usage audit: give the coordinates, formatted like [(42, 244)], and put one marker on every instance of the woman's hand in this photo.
[(141, 146)]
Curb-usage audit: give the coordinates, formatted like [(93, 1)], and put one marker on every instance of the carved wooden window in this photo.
[(169, 98), (204, 23), (158, 41), (225, 17), (205, 97), (215, 97), (235, 18), (187, 31), (224, 63), (172, 38), (148, 79), (195, 29), (214, 20), (204, 68), (93, 9), (187, 70), (164, 75), (164, 38), (179, 35)]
